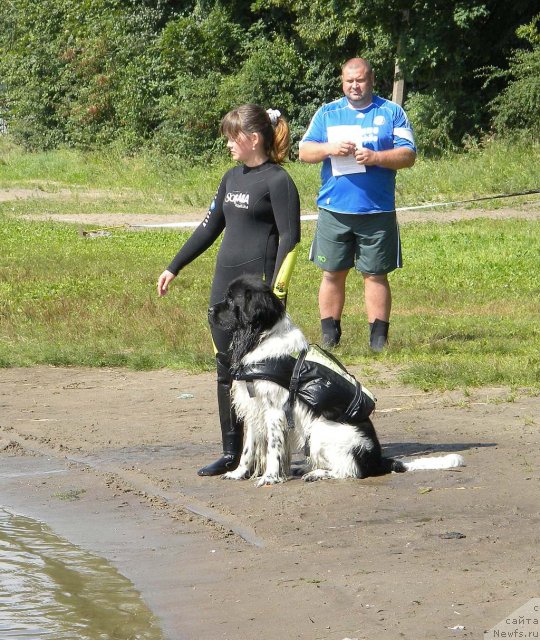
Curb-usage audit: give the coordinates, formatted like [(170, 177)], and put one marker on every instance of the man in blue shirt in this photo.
[(361, 140)]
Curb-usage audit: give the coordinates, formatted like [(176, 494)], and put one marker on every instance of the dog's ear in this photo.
[(262, 308)]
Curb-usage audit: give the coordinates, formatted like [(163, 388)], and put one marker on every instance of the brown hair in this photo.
[(252, 118)]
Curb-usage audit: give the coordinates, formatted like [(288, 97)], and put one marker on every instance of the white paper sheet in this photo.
[(343, 165)]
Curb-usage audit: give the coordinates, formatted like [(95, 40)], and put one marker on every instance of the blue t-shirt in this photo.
[(380, 126)]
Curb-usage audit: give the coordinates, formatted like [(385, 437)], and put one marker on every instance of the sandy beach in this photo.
[(108, 459)]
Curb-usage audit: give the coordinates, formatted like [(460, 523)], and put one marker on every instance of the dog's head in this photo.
[(249, 309), (249, 302)]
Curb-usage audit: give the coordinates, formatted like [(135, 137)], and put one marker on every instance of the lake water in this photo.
[(53, 590)]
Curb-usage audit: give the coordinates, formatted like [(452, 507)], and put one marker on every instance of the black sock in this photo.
[(331, 331), (378, 334)]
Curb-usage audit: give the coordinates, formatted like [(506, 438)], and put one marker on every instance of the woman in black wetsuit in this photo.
[(257, 205)]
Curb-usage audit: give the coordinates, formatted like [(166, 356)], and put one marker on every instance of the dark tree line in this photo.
[(161, 73)]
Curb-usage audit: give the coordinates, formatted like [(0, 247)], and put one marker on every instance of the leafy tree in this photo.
[(163, 72), (432, 120), (195, 51), (77, 72), (517, 107)]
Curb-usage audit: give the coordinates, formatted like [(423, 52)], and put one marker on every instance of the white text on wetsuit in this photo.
[(239, 200)]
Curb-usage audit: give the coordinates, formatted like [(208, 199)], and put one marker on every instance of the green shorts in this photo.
[(369, 242)]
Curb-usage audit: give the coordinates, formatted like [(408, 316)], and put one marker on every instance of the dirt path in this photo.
[(377, 558), (526, 207), (191, 219)]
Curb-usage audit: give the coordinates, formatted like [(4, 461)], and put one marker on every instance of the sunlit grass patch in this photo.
[(173, 184), (465, 306), (71, 300), (465, 312)]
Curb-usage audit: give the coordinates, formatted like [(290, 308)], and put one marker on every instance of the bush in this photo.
[(78, 74), (517, 107), (268, 76), (432, 119), (161, 73)]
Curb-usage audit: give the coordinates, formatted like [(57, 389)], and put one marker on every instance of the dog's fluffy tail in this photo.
[(450, 461)]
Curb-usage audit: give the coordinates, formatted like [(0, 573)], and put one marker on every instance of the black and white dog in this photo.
[(263, 332)]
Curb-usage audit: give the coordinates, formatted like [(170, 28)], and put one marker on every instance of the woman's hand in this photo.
[(163, 282)]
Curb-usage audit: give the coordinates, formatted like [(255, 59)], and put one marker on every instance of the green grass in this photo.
[(466, 304), (68, 300), (469, 300), (105, 181), (498, 168)]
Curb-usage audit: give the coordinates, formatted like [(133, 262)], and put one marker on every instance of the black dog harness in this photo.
[(318, 379)]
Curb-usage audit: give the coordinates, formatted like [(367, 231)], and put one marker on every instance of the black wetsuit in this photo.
[(259, 209)]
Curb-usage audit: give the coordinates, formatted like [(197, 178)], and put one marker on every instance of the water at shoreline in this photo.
[(51, 589)]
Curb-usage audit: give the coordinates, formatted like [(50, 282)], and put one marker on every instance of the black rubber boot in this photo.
[(378, 334), (232, 431), (331, 332)]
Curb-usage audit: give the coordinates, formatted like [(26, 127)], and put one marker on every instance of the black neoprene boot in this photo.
[(331, 332), (232, 431), (378, 334)]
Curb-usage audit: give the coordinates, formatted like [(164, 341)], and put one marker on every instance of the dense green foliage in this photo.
[(161, 73), (517, 107)]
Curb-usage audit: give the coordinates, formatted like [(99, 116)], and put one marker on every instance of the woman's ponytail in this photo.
[(281, 144)]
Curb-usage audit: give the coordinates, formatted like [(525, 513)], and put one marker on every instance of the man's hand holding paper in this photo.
[(348, 139)]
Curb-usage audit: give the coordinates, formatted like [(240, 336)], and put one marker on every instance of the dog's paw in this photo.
[(237, 474), (317, 474), (268, 479), (310, 477)]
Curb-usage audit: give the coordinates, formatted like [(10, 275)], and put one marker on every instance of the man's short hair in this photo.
[(353, 63)]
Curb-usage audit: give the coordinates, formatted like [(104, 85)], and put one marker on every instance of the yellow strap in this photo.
[(284, 275)]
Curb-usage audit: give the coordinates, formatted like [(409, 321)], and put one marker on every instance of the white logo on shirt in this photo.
[(378, 120), (239, 200)]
